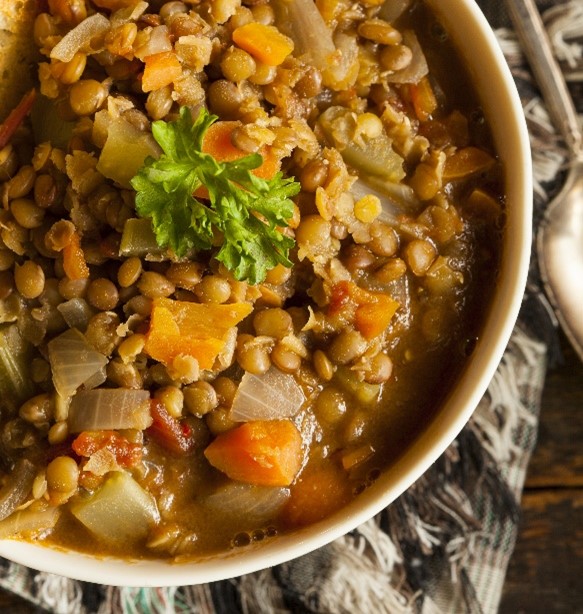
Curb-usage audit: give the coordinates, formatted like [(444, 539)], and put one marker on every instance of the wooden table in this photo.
[(546, 570), (545, 573)]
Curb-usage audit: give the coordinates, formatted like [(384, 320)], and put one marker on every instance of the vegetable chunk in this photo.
[(191, 329), (266, 453)]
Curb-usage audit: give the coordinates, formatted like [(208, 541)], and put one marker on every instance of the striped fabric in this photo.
[(444, 545)]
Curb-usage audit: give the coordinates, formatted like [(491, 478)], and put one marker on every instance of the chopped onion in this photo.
[(417, 69), (258, 504), (74, 362), (128, 13), (80, 37), (109, 408), (272, 396), (121, 511), (76, 313), (393, 9), (395, 198), (159, 41), (17, 487), (29, 522)]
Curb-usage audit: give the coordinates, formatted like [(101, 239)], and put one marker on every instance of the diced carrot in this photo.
[(264, 42), (170, 433), (372, 311), (218, 143), (126, 453), (465, 162), (161, 69), (318, 493), (192, 329), (265, 453), (373, 317), (16, 117), (423, 99), (74, 262)]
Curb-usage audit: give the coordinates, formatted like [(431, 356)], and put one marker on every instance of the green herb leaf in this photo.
[(247, 210)]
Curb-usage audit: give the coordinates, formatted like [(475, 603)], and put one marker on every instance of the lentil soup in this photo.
[(246, 249)]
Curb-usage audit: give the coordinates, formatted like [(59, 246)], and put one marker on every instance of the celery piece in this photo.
[(371, 156), (361, 391), (125, 151), (138, 239), (120, 512), (15, 357)]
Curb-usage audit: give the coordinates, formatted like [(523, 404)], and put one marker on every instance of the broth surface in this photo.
[(190, 363)]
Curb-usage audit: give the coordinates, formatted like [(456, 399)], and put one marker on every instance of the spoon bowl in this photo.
[(560, 254), (560, 238)]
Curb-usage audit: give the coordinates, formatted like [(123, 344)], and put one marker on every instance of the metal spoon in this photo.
[(560, 238)]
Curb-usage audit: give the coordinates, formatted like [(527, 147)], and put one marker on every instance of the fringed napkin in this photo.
[(444, 545)]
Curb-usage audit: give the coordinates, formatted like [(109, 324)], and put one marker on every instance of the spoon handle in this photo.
[(538, 49)]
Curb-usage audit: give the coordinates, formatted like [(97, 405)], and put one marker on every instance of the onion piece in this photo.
[(17, 488), (272, 396), (74, 362), (393, 9), (158, 41), (417, 69), (80, 37), (109, 408), (396, 199), (76, 312), (313, 43), (29, 522), (121, 511), (258, 504)]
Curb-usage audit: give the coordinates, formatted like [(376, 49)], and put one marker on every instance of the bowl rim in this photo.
[(512, 139)]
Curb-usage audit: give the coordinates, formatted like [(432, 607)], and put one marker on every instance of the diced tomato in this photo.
[(126, 453), (169, 432)]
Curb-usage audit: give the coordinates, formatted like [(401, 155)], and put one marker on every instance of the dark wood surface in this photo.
[(546, 570)]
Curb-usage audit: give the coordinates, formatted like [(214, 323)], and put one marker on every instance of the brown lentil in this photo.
[(39, 409), (273, 323), (22, 183), (155, 285), (380, 371), (219, 420), (225, 99), (102, 294), (330, 406), (213, 289), (45, 190), (379, 31), (391, 270), (200, 398), (253, 358), (29, 279), (419, 255), (6, 259), (58, 433), (347, 346), (129, 272), (73, 288), (284, 359), (385, 241), (324, 367), (87, 96), (172, 398), (185, 274), (313, 175), (62, 475), (27, 213), (395, 57), (226, 389), (237, 65)]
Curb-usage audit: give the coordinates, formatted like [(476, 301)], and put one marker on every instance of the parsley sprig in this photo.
[(248, 211)]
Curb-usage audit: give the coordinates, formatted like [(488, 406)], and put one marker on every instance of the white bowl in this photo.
[(476, 41)]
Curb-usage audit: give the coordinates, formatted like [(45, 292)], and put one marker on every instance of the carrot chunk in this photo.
[(192, 329), (370, 311), (265, 453), (423, 99), (265, 43), (318, 493), (161, 69), (218, 143)]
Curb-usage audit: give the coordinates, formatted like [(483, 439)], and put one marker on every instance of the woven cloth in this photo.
[(444, 545)]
